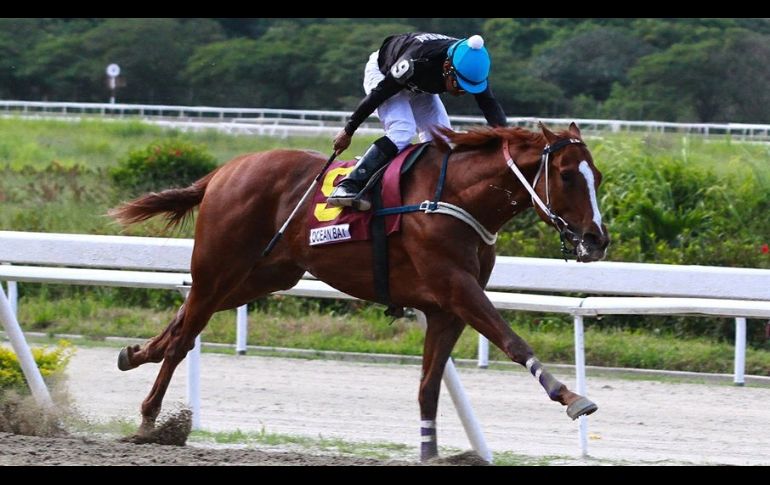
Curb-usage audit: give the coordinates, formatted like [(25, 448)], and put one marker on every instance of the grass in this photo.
[(380, 451), (98, 144), (291, 322), (385, 450), (307, 444)]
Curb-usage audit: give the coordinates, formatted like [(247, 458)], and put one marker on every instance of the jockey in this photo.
[(402, 81)]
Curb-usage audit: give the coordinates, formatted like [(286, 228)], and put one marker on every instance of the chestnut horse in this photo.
[(438, 264)]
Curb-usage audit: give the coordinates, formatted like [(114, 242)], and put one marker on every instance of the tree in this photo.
[(225, 74), (55, 70), (714, 80), (341, 65), (17, 36), (590, 62), (746, 77), (150, 52)]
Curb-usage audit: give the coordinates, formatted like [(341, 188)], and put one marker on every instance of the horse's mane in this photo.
[(485, 137)]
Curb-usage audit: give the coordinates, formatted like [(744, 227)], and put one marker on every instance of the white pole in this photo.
[(13, 297), (112, 89), (241, 330), (740, 351), (193, 382), (20, 346), (465, 411), (193, 375), (483, 352), (580, 381), (461, 403)]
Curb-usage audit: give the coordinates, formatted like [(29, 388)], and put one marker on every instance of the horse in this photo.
[(438, 264)]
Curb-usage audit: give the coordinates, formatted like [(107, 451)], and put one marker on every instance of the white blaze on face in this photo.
[(585, 169)]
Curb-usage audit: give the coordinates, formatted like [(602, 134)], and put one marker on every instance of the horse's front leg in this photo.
[(441, 335), (466, 299)]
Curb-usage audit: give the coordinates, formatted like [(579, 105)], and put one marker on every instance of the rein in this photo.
[(561, 225)]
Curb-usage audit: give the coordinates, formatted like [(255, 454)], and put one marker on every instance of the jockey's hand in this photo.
[(341, 141)]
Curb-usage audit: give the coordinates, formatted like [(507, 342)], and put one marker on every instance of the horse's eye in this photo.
[(567, 176)]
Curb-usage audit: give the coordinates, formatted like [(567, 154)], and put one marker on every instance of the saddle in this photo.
[(412, 154)]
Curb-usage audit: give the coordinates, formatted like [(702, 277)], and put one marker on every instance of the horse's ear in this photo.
[(574, 130), (549, 136)]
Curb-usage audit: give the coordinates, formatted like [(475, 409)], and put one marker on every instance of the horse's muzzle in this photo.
[(592, 247)]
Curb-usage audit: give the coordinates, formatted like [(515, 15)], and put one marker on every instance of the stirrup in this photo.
[(342, 195), (359, 204), (351, 196)]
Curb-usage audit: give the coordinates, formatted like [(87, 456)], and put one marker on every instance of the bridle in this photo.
[(566, 233)]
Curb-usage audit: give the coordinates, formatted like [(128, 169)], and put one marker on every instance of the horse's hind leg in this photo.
[(440, 338), (178, 341), (475, 308), (172, 345), (133, 356)]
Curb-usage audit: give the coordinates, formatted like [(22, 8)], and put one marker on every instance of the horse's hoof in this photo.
[(123, 361), (581, 407)]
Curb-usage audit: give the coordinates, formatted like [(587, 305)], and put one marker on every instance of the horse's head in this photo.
[(567, 182)]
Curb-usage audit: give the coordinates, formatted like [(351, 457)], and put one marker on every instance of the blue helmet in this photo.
[(470, 61)]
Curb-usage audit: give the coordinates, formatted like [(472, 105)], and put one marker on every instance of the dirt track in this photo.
[(29, 450), (638, 421)]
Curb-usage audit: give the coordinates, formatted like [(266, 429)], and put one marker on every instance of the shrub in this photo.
[(51, 362), (161, 165)]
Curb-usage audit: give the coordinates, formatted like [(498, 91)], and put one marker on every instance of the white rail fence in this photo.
[(640, 289), (289, 122)]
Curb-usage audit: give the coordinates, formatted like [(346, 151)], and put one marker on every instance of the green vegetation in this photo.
[(673, 69), (51, 362), (293, 322), (665, 198), (380, 451), (672, 199), (385, 450), (162, 165)]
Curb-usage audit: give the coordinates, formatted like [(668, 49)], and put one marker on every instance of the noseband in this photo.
[(565, 231)]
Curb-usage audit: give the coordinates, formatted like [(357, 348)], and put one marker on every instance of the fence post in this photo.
[(241, 329), (13, 296), (580, 381), (193, 374), (740, 351), (483, 352)]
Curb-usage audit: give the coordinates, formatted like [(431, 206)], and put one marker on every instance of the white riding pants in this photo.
[(405, 113)]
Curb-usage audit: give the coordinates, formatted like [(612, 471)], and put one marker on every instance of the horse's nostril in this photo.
[(596, 240), (591, 239)]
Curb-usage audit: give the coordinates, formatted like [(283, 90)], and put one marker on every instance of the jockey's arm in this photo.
[(492, 110), (384, 90)]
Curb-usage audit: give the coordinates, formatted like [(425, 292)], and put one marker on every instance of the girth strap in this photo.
[(380, 263)]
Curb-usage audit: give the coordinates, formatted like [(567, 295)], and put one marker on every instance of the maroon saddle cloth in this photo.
[(330, 225)]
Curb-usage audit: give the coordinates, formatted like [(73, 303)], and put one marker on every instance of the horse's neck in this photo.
[(488, 189)]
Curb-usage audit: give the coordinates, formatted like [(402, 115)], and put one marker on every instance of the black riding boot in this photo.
[(344, 195)]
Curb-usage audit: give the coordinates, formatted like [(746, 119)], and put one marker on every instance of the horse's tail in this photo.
[(177, 204)]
